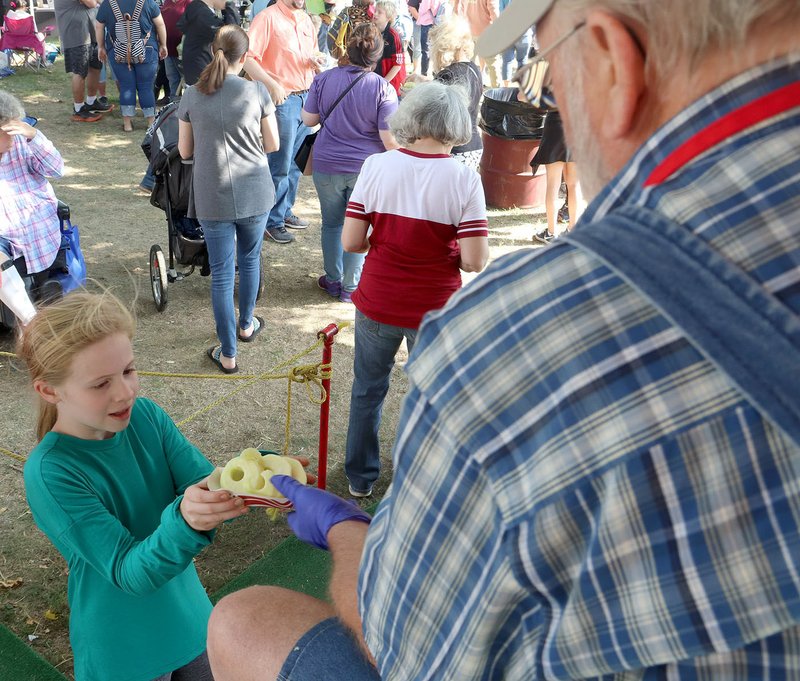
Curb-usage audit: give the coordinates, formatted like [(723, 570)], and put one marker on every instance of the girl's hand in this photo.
[(304, 461), (203, 510), (101, 54), (19, 127)]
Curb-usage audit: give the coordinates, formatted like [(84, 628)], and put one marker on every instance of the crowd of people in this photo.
[(595, 471)]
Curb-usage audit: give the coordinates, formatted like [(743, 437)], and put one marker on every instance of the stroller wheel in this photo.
[(158, 277)]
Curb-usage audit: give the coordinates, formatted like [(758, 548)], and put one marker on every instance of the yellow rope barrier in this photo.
[(305, 373), (13, 455)]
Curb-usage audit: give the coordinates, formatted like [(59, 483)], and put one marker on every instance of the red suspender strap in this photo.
[(751, 114)]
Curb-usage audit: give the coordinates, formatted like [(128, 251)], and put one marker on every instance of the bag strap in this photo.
[(115, 10), (735, 323), (340, 98), (137, 11)]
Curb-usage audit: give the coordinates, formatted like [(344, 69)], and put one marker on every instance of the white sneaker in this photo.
[(357, 494)]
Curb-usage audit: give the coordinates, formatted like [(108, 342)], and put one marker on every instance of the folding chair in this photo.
[(19, 40)]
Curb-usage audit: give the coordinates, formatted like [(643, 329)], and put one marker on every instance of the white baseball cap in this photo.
[(512, 22)]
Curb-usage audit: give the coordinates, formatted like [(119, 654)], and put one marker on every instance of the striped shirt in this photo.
[(577, 492), (419, 206), (27, 201)]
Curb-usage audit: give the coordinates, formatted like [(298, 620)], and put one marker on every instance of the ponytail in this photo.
[(46, 419), (213, 75), (230, 45)]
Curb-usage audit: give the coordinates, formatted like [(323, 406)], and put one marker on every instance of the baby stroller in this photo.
[(171, 193), (68, 270)]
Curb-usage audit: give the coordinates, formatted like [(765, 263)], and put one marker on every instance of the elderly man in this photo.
[(283, 47), (596, 473)]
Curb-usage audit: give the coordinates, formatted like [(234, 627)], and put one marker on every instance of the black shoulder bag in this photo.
[(303, 157)]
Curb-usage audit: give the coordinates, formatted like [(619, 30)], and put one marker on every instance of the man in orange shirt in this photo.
[(283, 47)]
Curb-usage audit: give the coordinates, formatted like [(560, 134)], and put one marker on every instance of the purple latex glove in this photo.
[(315, 510)]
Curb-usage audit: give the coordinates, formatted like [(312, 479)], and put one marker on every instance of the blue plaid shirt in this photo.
[(577, 492)]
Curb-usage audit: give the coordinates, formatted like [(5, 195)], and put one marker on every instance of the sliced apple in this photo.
[(269, 490), (298, 472), (239, 475), (251, 454), (279, 465)]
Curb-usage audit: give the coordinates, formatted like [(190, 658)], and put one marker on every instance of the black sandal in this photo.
[(258, 325), (214, 353)]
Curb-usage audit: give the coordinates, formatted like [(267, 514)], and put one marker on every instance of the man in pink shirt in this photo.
[(283, 48)]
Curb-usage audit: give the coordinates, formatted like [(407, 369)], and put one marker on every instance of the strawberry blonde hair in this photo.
[(58, 332)]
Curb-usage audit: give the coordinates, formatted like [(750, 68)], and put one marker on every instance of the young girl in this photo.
[(122, 495), (228, 124)]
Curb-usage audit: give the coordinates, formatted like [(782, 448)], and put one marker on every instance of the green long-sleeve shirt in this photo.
[(111, 507)]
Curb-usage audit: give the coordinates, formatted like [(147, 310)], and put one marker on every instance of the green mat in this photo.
[(292, 564), (18, 662)]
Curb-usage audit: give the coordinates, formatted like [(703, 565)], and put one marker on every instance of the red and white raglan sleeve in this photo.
[(359, 206), (473, 219)]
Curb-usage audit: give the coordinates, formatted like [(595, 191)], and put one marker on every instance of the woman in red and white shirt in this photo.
[(420, 216)]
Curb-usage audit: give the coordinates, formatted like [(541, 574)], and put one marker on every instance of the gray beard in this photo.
[(593, 172)]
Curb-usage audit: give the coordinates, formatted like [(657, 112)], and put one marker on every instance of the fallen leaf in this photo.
[(10, 583), (50, 615), (4, 509)]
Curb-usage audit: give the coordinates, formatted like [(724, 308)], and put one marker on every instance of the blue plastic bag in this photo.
[(75, 274)]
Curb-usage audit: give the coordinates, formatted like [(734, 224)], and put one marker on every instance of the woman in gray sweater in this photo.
[(228, 124)]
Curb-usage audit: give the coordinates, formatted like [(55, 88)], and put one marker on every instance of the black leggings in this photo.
[(197, 670)]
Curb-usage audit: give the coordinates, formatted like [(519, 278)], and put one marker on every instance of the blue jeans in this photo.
[(376, 346), (246, 236), (285, 173), (334, 193), (423, 45), (519, 52), (416, 45), (139, 78), (172, 66), (322, 650), (149, 180)]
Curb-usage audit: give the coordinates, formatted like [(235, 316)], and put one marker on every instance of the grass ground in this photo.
[(118, 226)]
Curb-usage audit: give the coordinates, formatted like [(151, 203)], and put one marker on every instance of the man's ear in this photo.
[(46, 391), (619, 69)]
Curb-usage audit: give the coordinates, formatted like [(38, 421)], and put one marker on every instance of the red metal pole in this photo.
[(328, 334)]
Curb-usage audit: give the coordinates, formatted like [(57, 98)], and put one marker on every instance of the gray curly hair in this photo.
[(10, 108), (433, 110)]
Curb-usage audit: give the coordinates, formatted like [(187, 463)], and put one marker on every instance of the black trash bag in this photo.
[(503, 115)]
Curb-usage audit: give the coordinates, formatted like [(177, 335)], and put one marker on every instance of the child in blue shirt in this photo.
[(122, 495)]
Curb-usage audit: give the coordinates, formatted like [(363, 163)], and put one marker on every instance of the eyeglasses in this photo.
[(534, 77)]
